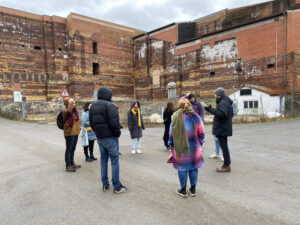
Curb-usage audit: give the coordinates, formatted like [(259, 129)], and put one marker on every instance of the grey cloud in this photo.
[(145, 18)]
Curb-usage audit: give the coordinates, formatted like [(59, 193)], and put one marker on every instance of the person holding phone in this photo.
[(71, 131)]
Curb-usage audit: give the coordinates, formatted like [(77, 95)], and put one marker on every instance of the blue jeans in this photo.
[(183, 175), (138, 141), (109, 148), (217, 145), (71, 142)]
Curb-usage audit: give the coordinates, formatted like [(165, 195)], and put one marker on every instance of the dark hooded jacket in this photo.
[(135, 130), (104, 115), (222, 125)]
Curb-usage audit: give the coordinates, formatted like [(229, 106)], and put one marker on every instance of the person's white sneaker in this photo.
[(214, 156), (139, 151), (133, 152), (222, 159)]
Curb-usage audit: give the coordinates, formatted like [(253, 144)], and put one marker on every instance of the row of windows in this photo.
[(95, 47), (250, 104)]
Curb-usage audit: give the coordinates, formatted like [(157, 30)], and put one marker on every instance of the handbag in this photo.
[(85, 138)]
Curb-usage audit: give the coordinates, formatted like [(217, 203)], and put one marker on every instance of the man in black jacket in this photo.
[(222, 125), (105, 121)]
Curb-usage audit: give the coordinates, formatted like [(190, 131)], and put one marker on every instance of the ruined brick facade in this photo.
[(40, 55), (258, 44)]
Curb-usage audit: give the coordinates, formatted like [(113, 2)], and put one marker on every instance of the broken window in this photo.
[(60, 49), (271, 65), (95, 68), (212, 73), (245, 92), (37, 47), (95, 47)]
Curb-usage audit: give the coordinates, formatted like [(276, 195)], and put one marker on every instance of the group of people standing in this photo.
[(183, 136)]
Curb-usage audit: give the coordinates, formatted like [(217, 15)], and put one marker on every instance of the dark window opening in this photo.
[(246, 92), (212, 73), (245, 105), (60, 49), (255, 104), (95, 68), (271, 65), (95, 47), (238, 69), (250, 105), (23, 46), (37, 47)]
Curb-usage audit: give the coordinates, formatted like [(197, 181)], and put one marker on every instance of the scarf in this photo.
[(137, 111), (72, 116), (180, 138)]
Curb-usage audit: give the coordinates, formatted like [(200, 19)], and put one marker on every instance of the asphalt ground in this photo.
[(263, 187)]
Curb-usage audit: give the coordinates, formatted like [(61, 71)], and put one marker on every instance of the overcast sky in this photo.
[(142, 14)]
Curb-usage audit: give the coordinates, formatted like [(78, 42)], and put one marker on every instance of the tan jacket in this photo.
[(66, 113)]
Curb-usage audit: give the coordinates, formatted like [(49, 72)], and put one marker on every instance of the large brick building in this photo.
[(257, 44)]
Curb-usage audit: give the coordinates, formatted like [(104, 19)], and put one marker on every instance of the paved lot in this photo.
[(263, 187)]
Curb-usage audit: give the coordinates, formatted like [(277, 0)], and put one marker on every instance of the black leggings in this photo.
[(90, 147), (166, 135)]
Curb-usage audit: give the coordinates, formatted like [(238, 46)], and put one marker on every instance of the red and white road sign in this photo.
[(64, 93)]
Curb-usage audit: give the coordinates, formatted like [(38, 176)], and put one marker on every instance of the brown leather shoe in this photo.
[(224, 169), (75, 166), (70, 169)]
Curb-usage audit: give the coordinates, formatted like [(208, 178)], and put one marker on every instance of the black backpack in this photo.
[(60, 121)]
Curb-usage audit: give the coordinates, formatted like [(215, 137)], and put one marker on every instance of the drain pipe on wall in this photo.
[(285, 49)]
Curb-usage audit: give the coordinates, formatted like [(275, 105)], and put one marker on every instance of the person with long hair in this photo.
[(91, 134), (71, 131), (135, 126), (186, 139), (168, 112)]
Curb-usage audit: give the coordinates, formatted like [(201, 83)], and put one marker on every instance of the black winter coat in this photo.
[(135, 130), (104, 115), (222, 125)]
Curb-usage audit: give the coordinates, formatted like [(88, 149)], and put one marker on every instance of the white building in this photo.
[(257, 100)]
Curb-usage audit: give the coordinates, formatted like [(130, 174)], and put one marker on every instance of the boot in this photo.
[(87, 158), (224, 169), (75, 166), (92, 155), (182, 192), (70, 169), (192, 191)]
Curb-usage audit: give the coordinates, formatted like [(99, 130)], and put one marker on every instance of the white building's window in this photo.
[(250, 104), (245, 92)]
